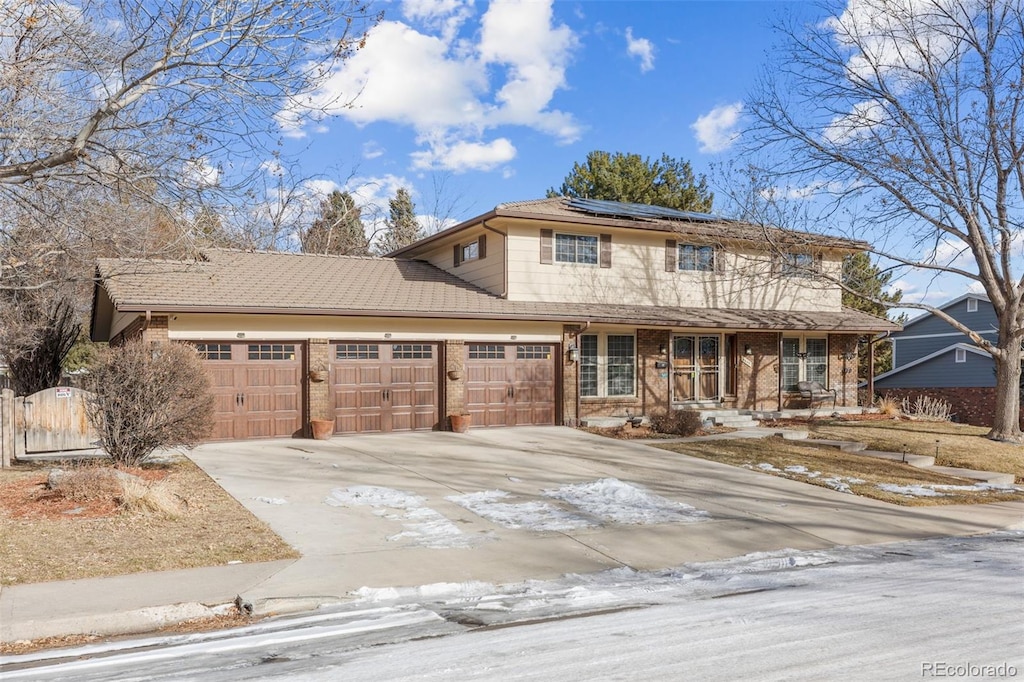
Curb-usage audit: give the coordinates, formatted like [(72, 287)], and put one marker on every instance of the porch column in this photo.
[(318, 386), (454, 381)]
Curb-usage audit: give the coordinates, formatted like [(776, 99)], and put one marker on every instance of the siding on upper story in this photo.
[(487, 272), (910, 348), (943, 371), (638, 274), (984, 319)]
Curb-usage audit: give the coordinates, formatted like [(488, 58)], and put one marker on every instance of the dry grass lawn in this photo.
[(838, 470), (44, 536), (959, 445)]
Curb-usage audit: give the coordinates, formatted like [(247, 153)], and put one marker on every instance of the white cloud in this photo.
[(453, 91), (861, 120), (463, 156), (201, 173), (716, 130), (641, 48), (372, 150)]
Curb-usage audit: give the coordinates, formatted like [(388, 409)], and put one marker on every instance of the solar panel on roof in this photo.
[(623, 209)]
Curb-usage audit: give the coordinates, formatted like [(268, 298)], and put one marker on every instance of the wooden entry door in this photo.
[(695, 368), (510, 384), (381, 387), (257, 389)]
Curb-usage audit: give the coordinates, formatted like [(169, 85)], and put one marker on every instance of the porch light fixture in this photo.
[(662, 349), (574, 353), (849, 355), (747, 350)]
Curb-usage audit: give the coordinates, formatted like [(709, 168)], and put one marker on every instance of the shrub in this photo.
[(888, 406), (927, 408), (145, 398), (677, 422)]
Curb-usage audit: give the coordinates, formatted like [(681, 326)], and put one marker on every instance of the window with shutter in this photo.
[(546, 247)]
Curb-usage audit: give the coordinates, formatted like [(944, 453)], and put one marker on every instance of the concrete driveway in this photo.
[(504, 505)]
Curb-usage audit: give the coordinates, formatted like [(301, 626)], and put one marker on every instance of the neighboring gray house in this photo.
[(933, 358)]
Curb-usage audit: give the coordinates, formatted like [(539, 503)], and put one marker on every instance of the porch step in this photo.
[(736, 419)]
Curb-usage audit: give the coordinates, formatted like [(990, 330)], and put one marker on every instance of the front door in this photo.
[(695, 368)]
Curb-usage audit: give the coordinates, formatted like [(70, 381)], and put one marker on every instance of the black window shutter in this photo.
[(546, 237), (482, 247), (457, 254), (606, 250), (671, 255)]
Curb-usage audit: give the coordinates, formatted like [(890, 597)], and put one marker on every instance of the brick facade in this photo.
[(318, 391), (970, 405), (454, 381), (155, 330), (757, 378)]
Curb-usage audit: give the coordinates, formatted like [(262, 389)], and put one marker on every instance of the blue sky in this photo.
[(494, 101), (500, 99)]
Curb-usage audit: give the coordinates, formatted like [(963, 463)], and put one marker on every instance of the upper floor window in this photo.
[(696, 258), (972, 305), (474, 250), (799, 265), (576, 248)]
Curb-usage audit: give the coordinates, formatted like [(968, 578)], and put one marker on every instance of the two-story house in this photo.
[(537, 312), (931, 357)]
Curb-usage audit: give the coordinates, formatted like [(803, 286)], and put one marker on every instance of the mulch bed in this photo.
[(30, 499)]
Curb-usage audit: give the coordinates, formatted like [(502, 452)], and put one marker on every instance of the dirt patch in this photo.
[(831, 468), (46, 537)]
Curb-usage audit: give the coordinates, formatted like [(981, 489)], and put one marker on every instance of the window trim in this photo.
[(801, 363), (576, 237), (602, 366)]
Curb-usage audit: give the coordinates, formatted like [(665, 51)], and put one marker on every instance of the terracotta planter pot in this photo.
[(322, 428), (460, 422)]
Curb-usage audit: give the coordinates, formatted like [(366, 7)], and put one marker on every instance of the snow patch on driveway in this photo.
[(943, 490), (618, 502), (423, 526), (536, 516)]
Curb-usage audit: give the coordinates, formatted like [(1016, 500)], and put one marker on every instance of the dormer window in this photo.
[(474, 250)]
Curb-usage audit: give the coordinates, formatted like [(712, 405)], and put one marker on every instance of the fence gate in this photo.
[(54, 420)]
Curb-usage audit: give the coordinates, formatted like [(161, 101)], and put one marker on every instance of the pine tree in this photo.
[(667, 182), (338, 229), (864, 289), (401, 227)]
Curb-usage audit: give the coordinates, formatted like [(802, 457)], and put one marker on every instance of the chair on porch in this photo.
[(814, 391)]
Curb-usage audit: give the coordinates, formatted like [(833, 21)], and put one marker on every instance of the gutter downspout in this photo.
[(504, 248), (579, 400)]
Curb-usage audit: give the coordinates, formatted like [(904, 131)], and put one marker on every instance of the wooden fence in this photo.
[(53, 420)]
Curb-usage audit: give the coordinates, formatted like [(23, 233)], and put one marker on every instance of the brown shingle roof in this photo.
[(558, 209), (288, 283)]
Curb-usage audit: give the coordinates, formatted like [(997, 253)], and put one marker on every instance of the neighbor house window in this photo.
[(972, 305), (607, 365), (804, 359), (961, 355), (576, 248), (696, 258), (799, 265)]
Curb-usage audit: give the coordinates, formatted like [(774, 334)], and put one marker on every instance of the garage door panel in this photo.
[(257, 388), (509, 384), (384, 387)]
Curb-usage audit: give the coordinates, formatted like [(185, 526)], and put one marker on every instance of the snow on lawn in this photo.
[(840, 483), (943, 490), (618, 502), (538, 516), (423, 526)]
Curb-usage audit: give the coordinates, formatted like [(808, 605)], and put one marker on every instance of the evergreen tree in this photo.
[(864, 289), (338, 229), (666, 182), (400, 228)]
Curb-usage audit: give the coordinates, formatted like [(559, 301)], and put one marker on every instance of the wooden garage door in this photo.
[(379, 387), (257, 389), (510, 384)]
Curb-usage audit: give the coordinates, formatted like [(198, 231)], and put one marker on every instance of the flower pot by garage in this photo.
[(460, 422), (322, 428)]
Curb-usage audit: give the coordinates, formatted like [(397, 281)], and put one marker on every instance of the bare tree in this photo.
[(912, 113), (127, 101)]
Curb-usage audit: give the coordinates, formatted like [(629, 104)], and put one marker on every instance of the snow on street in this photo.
[(946, 607)]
